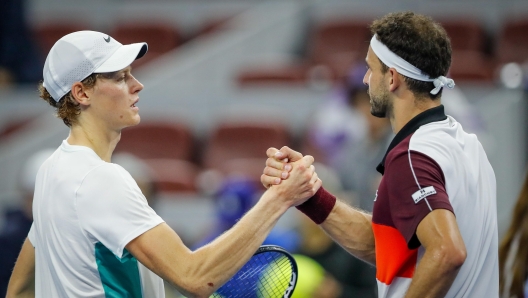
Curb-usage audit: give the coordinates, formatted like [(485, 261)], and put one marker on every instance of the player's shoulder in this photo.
[(108, 173), (429, 139), (437, 136)]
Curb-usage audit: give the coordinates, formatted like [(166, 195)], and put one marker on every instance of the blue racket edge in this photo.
[(270, 273)]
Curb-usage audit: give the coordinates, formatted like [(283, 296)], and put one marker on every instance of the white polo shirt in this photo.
[(85, 212)]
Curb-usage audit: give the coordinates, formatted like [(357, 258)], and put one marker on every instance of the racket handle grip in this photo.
[(318, 207)]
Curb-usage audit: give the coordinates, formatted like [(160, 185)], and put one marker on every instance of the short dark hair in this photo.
[(418, 40), (67, 108)]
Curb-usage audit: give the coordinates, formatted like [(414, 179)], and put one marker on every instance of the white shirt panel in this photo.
[(470, 184), (112, 209)]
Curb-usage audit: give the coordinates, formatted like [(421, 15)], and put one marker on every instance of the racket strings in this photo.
[(265, 275)]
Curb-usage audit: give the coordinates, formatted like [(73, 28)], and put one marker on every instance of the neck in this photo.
[(100, 139), (406, 106)]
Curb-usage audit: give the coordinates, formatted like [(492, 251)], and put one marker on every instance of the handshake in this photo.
[(291, 175)]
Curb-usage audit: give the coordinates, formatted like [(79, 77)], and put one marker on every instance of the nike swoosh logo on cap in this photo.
[(107, 39)]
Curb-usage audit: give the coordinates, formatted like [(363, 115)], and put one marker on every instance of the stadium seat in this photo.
[(243, 140), (336, 39), (337, 44), (172, 175), (46, 35), (512, 42), (471, 66), (251, 168), (333, 47), (465, 35), (158, 140), (161, 37), (290, 74)]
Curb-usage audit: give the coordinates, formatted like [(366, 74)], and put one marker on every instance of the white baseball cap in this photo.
[(79, 54)]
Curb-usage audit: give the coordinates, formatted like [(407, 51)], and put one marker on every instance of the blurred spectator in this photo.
[(357, 162), (236, 196), (513, 251), (17, 222), (20, 61), (357, 142), (336, 122)]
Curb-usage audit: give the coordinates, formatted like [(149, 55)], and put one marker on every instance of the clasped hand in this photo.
[(290, 173)]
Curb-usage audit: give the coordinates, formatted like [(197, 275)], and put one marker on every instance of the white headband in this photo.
[(405, 68)]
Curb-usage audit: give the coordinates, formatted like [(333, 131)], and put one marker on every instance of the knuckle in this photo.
[(263, 181), (265, 171), (269, 172)]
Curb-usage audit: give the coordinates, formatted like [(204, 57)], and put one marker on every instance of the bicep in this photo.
[(22, 279), (439, 229)]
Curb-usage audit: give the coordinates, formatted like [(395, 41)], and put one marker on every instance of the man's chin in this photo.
[(378, 114), (137, 120), (134, 121)]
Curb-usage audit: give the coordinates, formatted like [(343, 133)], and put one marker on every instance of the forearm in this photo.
[(199, 273), (445, 253), (22, 281), (24, 293), (434, 275), (352, 229), (222, 258)]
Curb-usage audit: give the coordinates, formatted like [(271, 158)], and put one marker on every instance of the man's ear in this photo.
[(80, 93), (395, 80)]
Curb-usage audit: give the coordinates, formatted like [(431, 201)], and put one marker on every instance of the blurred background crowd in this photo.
[(225, 80)]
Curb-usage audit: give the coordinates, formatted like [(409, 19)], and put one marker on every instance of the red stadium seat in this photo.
[(513, 42), (336, 39), (333, 47), (251, 168), (172, 175), (471, 66), (465, 35), (290, 74), (243, 140), (157, 140), (161, 37), (47, 34)]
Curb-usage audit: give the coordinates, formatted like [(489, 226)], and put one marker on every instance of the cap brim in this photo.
[(123, 57)]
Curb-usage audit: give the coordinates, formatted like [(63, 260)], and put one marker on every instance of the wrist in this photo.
[(318, 207), (270, 199)]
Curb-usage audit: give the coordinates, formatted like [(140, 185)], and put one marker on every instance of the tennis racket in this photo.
[(270, 273)]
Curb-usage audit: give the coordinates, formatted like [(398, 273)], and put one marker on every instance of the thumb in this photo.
[(307, 161)]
